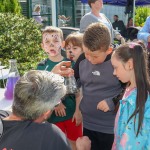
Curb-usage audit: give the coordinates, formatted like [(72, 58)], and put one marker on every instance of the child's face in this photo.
[(73, 52), (122, 71), (52, 44), (96, 57)]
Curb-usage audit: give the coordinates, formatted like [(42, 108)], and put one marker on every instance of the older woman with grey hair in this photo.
[(25, 128), (36, 94)]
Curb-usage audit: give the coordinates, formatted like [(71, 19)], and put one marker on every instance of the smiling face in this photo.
[(52, 44), (73, 52)]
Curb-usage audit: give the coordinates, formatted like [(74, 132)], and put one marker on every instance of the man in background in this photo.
[(119, 25)]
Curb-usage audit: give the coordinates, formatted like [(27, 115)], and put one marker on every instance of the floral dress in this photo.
[(125, 132)]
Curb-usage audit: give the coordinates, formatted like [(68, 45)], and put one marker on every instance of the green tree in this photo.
[(20, 38), (141, 14), (12, 6)]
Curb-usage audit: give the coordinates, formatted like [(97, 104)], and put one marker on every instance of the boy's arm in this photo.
[(77, 114), (111, 104)]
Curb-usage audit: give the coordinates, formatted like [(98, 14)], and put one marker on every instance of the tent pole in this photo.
[(53, 4), (134, 12)]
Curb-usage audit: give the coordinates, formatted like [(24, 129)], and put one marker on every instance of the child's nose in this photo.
[(51, 45)]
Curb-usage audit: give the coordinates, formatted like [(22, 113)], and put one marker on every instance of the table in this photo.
[(4, 103)]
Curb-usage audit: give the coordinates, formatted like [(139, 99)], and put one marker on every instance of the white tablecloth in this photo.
[(4, 103)]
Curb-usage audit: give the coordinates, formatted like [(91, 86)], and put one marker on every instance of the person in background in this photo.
[(73, 46), (36, 14), (130, 22), (99, 87), (62, 20), (66, 115), (119, 25), (96, 16), (144, 33), (132, 124)]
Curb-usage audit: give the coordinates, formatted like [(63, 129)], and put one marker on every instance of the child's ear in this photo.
[(109, 51), (47, 114), (63, 44), (130, 64)]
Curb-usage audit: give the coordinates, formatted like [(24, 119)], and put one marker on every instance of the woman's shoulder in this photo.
[(87, 15)]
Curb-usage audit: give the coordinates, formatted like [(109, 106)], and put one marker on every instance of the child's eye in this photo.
[(46, 41), (67, 48)]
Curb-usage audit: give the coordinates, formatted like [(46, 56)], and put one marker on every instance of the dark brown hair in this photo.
[(91, 1), (140, 63), (97, 37)]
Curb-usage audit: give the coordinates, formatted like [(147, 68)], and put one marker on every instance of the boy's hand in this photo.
[(62, 70), (77, 116), (83, 143), (60, 110), (103, 106), (122, 40)]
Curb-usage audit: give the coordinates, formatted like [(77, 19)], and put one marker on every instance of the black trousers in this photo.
[(99, 141)]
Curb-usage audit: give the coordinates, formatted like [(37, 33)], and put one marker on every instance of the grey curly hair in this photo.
[(37, 92)]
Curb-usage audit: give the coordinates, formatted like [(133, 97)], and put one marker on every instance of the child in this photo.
[(65, 116), (73, 46), (99, 87), (132, 124)]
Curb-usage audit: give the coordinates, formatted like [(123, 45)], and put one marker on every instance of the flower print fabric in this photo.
[(125, 132)]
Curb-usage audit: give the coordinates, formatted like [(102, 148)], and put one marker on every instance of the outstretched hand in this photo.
[(62, 69)]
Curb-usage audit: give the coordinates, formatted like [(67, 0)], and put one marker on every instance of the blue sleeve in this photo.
[(144, 33)]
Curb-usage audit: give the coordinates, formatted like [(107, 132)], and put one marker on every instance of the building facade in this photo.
[(68, 12)]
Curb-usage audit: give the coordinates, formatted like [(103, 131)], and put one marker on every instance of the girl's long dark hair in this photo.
[(140, 62)]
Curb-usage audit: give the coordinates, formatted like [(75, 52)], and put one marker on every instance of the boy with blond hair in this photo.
[(65, 115), (99, 87)]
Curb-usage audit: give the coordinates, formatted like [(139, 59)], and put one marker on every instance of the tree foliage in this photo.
[(12, 6), (141, 14), (20, 39)]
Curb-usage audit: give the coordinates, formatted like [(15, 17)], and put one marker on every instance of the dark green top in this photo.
[(69, 101)]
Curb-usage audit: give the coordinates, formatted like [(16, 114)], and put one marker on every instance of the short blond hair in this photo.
[(37, 8), (51, 29)]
